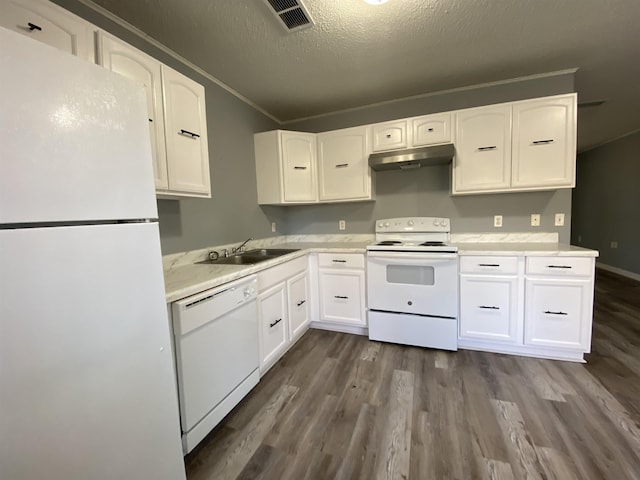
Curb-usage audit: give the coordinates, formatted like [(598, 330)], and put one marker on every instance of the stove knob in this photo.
[(410, 223), (386, 224), (443, 223), (436, 223), (380, 225)]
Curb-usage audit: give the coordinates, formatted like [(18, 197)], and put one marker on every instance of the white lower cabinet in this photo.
[(274, 324), (341, 291), (489, 308), (283, 309), (537, 306)]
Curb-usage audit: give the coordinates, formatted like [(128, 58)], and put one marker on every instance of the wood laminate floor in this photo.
[(338, 406)]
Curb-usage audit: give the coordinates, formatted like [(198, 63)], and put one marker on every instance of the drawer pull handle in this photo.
[(489, 264), (559, 266), (429, 129), (299, 168), (388, 135), (342, 297), (543, 142), (342, 165), (301, 302), (549, 312), (33, 26), (339, 261), (187, 133), (486, 149), (151, 119), (271, 325), (488, 308)]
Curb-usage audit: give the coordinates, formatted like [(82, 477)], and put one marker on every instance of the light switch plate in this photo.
[(559, 220)]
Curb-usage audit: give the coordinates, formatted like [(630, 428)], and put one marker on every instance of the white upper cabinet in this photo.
[(483, 149), (185, 135), (286, 169), (389, 135), (544, 142), (130, 62), (431, 129), (50, 24), (344, 172)]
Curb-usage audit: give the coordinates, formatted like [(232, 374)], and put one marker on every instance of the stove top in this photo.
[(416, 234)]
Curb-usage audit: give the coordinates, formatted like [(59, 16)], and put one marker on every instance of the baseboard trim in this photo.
[(336, 327), (619, 271)]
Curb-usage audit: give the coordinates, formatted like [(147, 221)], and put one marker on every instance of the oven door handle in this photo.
[(393, 256)]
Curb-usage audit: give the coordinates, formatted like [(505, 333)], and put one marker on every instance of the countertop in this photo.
[(183, 277), (182, 280)]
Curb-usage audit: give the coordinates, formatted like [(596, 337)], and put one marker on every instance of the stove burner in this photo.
[(389, 242), (432, 244)]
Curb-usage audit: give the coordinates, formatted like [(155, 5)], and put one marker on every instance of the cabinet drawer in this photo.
[(341, 260), (565, 266), (489, 265)]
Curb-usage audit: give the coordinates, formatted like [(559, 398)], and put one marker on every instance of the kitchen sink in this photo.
[(250, 257)]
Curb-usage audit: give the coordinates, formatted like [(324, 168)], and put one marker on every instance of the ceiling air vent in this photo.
[(292, 14)]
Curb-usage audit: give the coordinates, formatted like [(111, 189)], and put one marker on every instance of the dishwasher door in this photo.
[(217, 354)]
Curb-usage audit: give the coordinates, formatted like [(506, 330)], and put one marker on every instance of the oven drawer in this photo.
[(341, 260), (560, 266), (489, 265)]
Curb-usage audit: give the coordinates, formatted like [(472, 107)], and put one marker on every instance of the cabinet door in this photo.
[(342, 297), (343, 164), (130, 62), (50, 24), (544, 142), (298, 296), (274, 335), (483, 150), (186, 134), (489, 308), (299, 166), (389, 135), (558, 313), (431, 129)]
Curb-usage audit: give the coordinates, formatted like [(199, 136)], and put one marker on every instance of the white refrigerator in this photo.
[(87, 385)]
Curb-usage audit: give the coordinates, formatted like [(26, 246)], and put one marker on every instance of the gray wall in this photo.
[(425, 191), (606, 202), (232, 214)]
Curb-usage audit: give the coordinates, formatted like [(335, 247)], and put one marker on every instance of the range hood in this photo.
[(412, 157)]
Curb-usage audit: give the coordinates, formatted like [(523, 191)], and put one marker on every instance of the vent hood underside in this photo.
[(412, 157)]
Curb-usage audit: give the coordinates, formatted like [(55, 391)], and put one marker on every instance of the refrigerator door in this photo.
[(87, 383), (74, 139)]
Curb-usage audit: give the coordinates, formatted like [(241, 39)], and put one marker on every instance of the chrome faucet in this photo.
[(241, 247)]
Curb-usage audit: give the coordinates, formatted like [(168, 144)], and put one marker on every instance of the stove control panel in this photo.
[(413, 224)]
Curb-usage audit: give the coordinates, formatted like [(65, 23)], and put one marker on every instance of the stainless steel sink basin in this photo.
[(250, 257)]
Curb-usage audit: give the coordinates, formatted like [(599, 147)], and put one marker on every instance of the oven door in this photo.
[(413, 282)]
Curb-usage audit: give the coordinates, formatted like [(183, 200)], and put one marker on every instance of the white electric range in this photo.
[(412, 283)]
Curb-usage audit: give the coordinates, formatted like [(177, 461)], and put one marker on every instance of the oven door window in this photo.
[(411, 274)]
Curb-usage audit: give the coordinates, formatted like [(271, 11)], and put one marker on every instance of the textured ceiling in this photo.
[(358, 54)]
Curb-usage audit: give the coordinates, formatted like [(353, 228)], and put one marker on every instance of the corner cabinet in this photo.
[(177, 119), (343, 167), (520, 146), (50, 24)]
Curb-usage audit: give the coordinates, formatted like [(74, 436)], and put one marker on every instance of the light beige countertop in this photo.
[(182, 278), (524, 249)]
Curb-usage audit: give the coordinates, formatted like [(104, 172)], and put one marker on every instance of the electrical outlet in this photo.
[(497, 221), (273, 226), (535, 219), (559, 220), (342, 224), (614, 244)]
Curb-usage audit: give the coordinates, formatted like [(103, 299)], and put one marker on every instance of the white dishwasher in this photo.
[(217, 354)]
